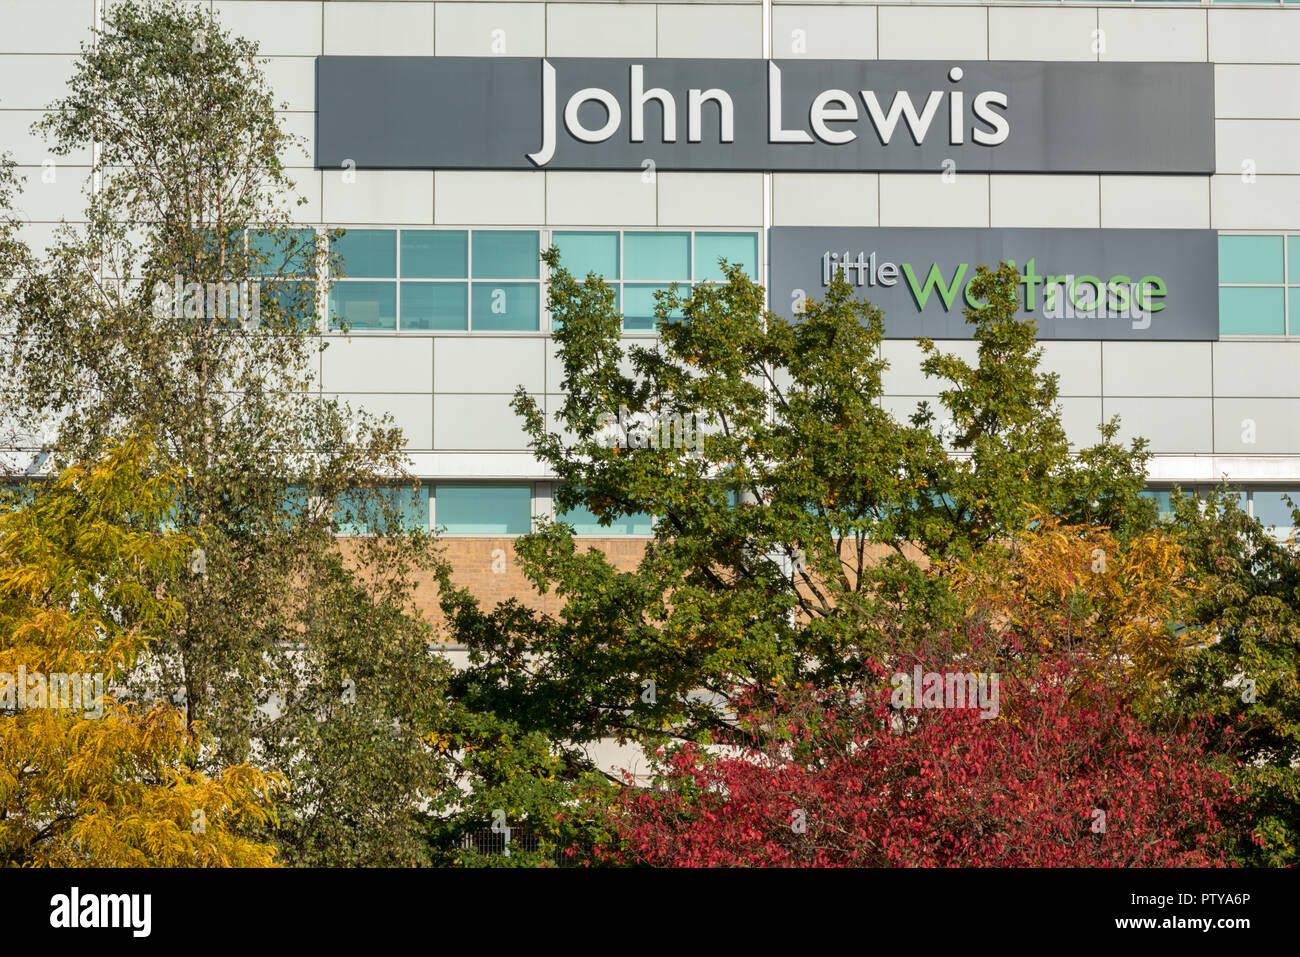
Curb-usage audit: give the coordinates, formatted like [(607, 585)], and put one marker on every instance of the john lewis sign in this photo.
[(701, 114), (1077, 283)]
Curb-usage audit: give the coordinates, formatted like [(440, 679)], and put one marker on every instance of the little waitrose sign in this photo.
[(723, 114), (1077, 283)]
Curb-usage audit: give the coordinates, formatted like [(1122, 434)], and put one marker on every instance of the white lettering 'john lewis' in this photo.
[(990, 126)]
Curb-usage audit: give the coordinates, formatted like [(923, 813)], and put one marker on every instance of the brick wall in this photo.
[(489, 569)]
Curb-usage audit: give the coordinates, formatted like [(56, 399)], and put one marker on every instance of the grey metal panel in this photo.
[(1257, 426), (477, 423), (1257, 368), (378, 364), (903, 375), (1171, 425), (1186, 260), (1078, 364), (487, 113), (413, 414), (1081, 417), (1156, 368), (488, 364), (555, 367)]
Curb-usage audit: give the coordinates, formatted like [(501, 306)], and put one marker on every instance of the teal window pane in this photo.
[(368, 253), (284, 252), (736, 248), (1164, 509), (364, 305), (212, 248), (1238, 498), (506, 254), (435, 254), (1250, 259), (1293, 253), (435, 305), (383, 511), (511, 306), (1272, 511), (639, 307), (557, 323), (1293, 305), (288, 303), (583, 253), (584, 522), (483, 509), (1250, 311), (657, 256)]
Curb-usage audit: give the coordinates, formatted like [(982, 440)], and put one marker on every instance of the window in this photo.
[(504, 255), (736, 248), (286, 262), (375, 513), (1259, 285), (1164, 510), (585, 253), (483, 509), (584, 522), (1267, 505), (638, 264), (365, 297), (1271, 509), (431, 299), (430, 280)]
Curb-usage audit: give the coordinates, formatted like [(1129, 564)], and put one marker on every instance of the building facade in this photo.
[(1152, 147)]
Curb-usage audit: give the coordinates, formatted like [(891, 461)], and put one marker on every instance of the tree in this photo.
[(87, 779), (1248, 674), (1063, 775), (15, 259), (193, 196), (1119, 608), (798, 537)]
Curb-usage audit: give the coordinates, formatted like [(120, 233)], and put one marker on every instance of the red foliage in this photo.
[(1026, 788)]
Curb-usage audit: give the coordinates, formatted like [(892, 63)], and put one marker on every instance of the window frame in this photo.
[(468, 282), (1289, 285), (685, 285)]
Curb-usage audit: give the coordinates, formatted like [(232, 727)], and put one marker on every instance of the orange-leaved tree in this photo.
[(86, 779)]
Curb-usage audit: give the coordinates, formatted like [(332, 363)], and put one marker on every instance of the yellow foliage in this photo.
[(1078, 588), (87, 780)]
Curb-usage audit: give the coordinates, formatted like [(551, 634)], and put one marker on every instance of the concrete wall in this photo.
[(450, 391)]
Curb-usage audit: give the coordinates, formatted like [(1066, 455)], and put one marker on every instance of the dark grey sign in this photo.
[(699, 114), (1077, 283)]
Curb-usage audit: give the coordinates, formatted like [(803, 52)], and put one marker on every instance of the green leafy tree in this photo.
[(1248, 675), (192, 194), (797, 537)]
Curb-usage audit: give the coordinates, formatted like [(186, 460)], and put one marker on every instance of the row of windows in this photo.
[(490, 280), (654, 261), (422, 280), (1259, 285), (1267, 505), (483, 510), (507, 511), (494, 510)]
